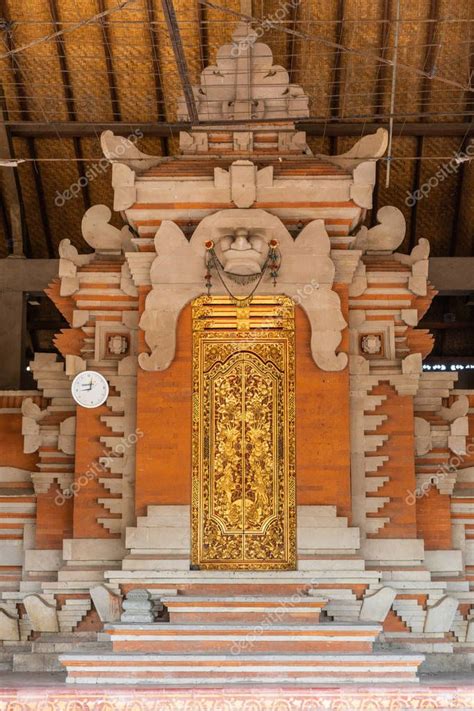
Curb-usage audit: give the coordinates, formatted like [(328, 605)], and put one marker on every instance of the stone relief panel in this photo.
[(306, 274)]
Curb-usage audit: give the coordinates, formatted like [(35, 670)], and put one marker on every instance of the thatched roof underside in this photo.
[(124, 69)]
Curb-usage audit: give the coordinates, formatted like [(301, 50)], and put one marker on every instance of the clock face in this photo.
[(90, 389)]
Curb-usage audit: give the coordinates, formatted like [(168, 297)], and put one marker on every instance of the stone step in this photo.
[(272, 638), (248, 609), (36, 662), (217, 670)]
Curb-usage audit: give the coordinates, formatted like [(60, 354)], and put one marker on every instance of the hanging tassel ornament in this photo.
[(210, 258), (274, 260)]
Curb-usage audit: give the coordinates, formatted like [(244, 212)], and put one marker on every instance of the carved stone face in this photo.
[(242, 253)]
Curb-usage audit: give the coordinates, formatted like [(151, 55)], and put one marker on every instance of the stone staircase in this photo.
[(241, 639)]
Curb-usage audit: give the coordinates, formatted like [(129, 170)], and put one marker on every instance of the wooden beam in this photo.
[(336, 68), (384, 37), (290, 43), (180, 57), (20, 238), (159, 95), (430, 57), (469, 99), (203, 35), (38, 129), (41, 197), (69, 98), (11, 190), (414, 189), (109, 63)]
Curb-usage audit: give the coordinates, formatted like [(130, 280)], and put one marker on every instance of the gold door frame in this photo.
[(243, 501)]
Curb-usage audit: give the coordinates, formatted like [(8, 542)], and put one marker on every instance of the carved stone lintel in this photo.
[(306, 275)]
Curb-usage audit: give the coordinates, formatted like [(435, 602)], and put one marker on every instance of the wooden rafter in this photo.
[(114, 98), (175, 36), (155, 60), (203, 35), (39, 129), (69, 99), (18, 229)]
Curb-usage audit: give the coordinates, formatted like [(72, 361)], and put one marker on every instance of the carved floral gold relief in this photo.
[(243, 448)]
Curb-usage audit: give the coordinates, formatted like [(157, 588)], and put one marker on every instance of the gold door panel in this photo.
[(243, 435)]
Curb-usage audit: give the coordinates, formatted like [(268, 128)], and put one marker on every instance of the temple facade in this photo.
[(273, 487)]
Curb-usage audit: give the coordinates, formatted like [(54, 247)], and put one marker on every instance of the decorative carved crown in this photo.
[(245, 84)]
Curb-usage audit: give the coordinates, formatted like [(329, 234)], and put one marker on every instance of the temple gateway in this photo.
[(239, 471)]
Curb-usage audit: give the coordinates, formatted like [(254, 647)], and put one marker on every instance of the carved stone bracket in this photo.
[(306, 275), (384, 237), (418, 261), (102, 236)]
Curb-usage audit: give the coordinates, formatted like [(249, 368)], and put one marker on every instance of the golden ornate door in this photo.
[(243, 514)]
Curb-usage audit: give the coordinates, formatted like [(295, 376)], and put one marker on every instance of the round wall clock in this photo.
[(90, 389)]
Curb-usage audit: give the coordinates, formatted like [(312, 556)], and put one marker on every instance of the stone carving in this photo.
[(68, 252), (375, 607), (107, 604), (420, 252), (69, 261), (418, 261), (371, 344), (9, 629), (118, 149), (242, 253), (67, 435), (178, 270), (440, 616), (42, 615), (102, 236), (245, 84), (384, 237), (371, 147), (459, 408), (138, 607), (117, 345), (30, 428), (423, 441)]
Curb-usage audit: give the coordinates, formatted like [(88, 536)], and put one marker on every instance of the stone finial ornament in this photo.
[(384, 237), (419, 253), (371, 147), (69, 252), (119, 149), (245, 84), (102, 236)]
